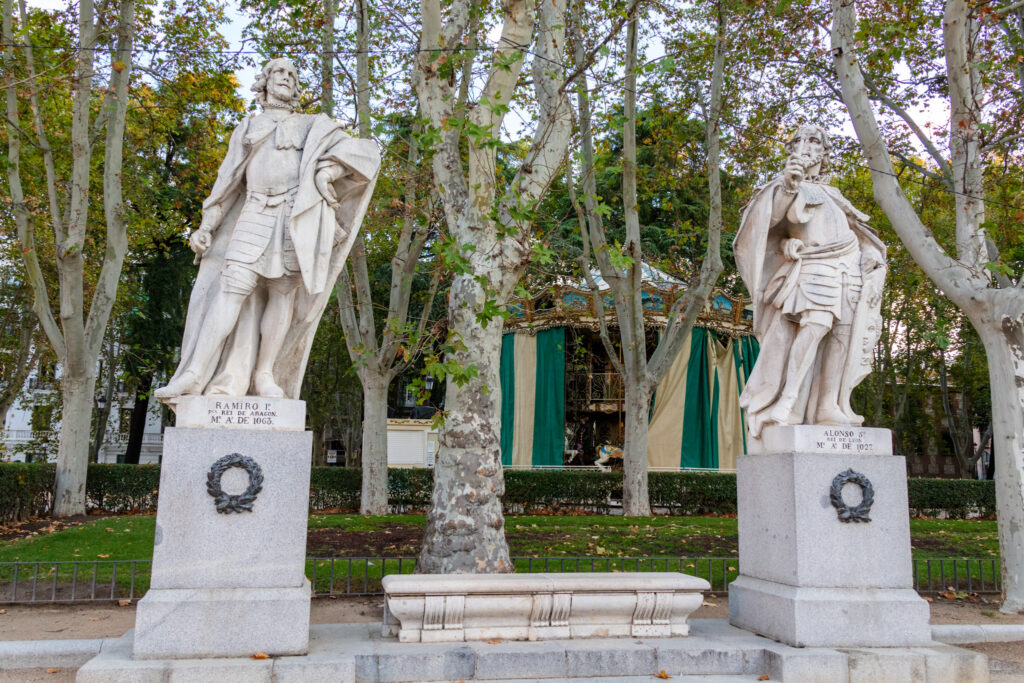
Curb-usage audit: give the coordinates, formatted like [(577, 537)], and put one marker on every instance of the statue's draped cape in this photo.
[(761, 263), (312, 226)]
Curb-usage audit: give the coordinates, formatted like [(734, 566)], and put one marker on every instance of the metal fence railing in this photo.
[(73, 581), (974, 575), (112, 580)]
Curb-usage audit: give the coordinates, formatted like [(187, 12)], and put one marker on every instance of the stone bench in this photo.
[(434, 608)]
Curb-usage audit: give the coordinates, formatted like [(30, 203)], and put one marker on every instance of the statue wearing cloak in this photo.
[(838, 284), (316, 237)]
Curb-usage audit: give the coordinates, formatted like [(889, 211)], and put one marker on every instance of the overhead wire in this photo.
[(462, 48)]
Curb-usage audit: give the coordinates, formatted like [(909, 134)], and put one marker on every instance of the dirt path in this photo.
[(58, 622)]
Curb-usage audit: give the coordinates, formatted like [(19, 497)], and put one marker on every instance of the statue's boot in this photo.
[(185, 383), (266, 386), (832, 415)]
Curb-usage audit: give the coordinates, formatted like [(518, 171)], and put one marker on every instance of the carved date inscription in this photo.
[(845, 440), (253, 413)]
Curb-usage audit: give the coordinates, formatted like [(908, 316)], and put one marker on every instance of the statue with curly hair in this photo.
[(815, 270), (277, 227)]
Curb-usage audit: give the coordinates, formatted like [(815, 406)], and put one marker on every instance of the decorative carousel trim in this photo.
[(552, 320), (225, 502), (858, 513)]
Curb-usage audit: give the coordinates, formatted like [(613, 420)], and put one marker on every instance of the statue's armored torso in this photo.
[(261, 244), (825, 221), (829, 257), (275, 162)]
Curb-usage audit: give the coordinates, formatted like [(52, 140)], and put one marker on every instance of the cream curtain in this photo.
[(730, 420), (665, 431), (526, 397)]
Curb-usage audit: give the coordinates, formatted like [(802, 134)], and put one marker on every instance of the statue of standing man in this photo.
[(815, 270), (284, 211)]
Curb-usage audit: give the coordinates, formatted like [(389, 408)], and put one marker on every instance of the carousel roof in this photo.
[(650, 276)]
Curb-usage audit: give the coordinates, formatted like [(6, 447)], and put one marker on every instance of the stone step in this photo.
[(716, 652), (607, 679)]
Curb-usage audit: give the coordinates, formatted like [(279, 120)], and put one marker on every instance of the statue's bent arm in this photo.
[(781, 203)]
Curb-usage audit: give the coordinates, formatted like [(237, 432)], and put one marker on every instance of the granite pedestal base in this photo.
[(222, 622), (808, 577), (229, 551)]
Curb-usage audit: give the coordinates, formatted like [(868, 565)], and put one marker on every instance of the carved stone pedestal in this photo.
[(436, 608), (228, 575), (824, 541)]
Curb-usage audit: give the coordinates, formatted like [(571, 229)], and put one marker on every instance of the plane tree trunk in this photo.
[(489, 248), (993, 304)]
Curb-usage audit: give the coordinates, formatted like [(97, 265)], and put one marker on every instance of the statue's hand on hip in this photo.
[(324, 180)]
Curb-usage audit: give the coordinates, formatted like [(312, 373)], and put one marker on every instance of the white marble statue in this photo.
[(289, 198), (815, 270)]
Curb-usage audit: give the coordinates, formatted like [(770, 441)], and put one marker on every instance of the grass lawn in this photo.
[(665, 542)]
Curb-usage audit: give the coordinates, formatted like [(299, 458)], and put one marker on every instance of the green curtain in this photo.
[(507, 373), (549, 408), (700, 426), (737, 359), (749, 349), (744, 354)]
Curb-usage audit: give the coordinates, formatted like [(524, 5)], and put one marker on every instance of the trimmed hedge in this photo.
[(693, 493), (25, 490), (122, 488), (527, 490), (958, 498), (332, 488)]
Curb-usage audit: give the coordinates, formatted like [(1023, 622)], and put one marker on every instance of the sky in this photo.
[(935, 113), (232, 31)]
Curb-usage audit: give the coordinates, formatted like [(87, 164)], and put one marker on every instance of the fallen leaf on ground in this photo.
[(102, 555), (124, 603), (261, 655), (53, 670), (493, 642), (766, 677), (661, 674), (94, 618)]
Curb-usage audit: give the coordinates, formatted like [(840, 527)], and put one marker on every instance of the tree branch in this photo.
[(940, 161), (44, 143), (683, 314), (585, 61), (437, 104), (917, 238), (554, 127), (584, 262), (22, 217), (1003, 11), (113, 202)]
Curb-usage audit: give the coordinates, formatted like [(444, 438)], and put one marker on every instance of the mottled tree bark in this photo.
[(491, 232), (374, 497)]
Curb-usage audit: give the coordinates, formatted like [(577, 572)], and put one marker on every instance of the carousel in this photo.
[(562, 401)]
